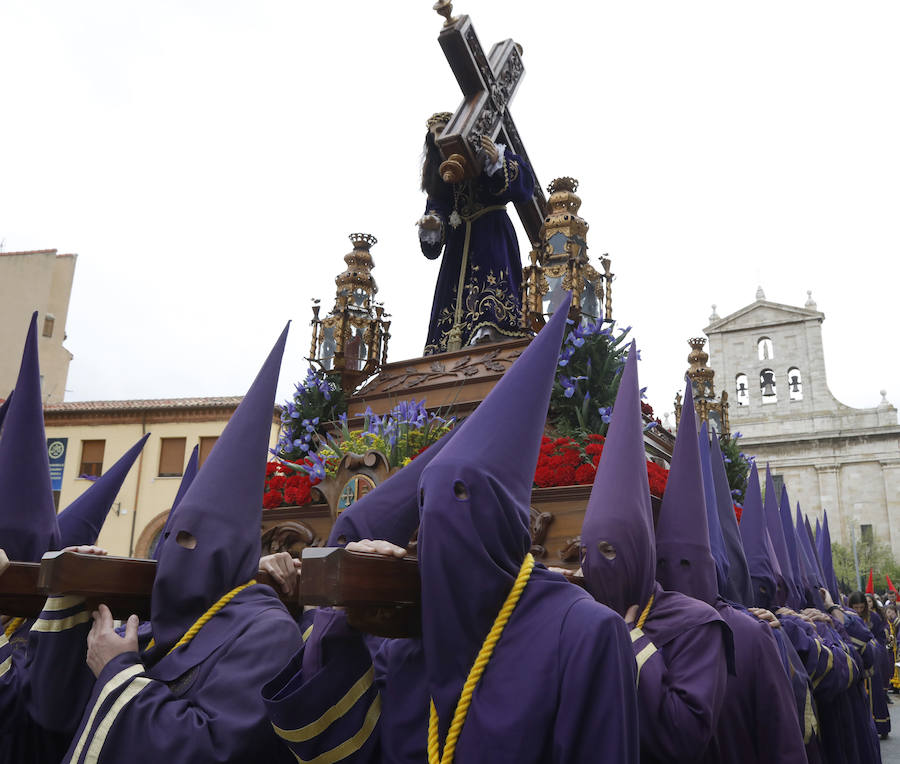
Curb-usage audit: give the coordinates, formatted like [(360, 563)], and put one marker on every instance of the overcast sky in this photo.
[(207, 160)]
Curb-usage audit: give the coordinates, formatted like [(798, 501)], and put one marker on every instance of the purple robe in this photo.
[(194, 705), (481, 256), (21, 738), (860, 641), (566, 706), (682, 669), (759, 717), (875, 683)]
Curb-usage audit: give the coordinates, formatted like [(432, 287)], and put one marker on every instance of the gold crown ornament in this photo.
[(438, 118)]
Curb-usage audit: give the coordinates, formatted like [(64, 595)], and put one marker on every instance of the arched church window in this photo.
[(795, 384), (767, 386), (765, 349), (742, 390)]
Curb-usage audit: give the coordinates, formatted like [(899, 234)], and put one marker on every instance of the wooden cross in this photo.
[(488, 84)]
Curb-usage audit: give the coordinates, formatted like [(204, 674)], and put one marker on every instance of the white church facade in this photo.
[(769, 357)]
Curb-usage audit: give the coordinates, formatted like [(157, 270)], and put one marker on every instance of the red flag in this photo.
[(890, 583), (870, 586)]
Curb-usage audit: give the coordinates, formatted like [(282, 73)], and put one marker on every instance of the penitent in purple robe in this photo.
[(559, 686), (681, 649), (195, 701), (480, 281), (28, 528)]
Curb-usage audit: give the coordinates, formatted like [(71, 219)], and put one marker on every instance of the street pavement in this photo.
[(890, 748)]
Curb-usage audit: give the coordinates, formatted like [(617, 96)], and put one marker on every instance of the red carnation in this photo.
[(277, 482), (738, 511), (272, 499), (584, 475)]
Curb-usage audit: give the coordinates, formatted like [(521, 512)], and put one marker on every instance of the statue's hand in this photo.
[(430, 222), (490, 150)]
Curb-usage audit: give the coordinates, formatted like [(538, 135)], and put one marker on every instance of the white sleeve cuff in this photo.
[(493, 169)]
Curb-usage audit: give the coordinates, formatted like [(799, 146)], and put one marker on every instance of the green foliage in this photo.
[(875, 555), (737, 466), (587, 379)]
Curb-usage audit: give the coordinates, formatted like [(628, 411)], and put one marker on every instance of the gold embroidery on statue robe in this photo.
[(493, 292)]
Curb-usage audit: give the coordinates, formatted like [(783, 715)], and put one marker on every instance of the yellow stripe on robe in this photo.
[(828, 668), (5, 666), (352, 745), (49, 626), (642, 657), (125, 675), (93, 753), (62, 603), (334, 713)]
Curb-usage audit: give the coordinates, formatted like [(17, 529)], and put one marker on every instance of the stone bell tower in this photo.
[(829, 455)]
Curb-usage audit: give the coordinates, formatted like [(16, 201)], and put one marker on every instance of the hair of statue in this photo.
[(432, 184)]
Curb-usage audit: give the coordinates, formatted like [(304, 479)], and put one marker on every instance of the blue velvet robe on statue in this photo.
[(480, 281)]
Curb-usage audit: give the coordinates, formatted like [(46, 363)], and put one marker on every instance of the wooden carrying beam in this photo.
[(19, 594), (123, 584), (381, 594)]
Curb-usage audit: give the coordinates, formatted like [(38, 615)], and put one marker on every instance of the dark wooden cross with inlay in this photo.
[(488, 84)]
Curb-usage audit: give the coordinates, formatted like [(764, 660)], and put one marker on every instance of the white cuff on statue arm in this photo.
[(494, 168)]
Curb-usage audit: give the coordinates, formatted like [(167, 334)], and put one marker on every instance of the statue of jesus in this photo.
[(478, 296)]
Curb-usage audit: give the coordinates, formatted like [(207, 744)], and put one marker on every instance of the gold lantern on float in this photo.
[(351, 342), (709, 409), (559, 264)]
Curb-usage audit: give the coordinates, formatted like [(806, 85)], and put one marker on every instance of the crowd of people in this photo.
[(692, 638)]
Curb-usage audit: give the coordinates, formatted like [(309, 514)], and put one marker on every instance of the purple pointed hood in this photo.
[(390, 511), (796, 597), (4, 407), (683, 559), (739, 587), (776, 534), (813, 554), (27, 513), (716, 537), (81, 521), (222, 511), (755, 537), (190, 472), (808, 562), (818, 574), (618, 544), (824, 543), (474, 518)]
